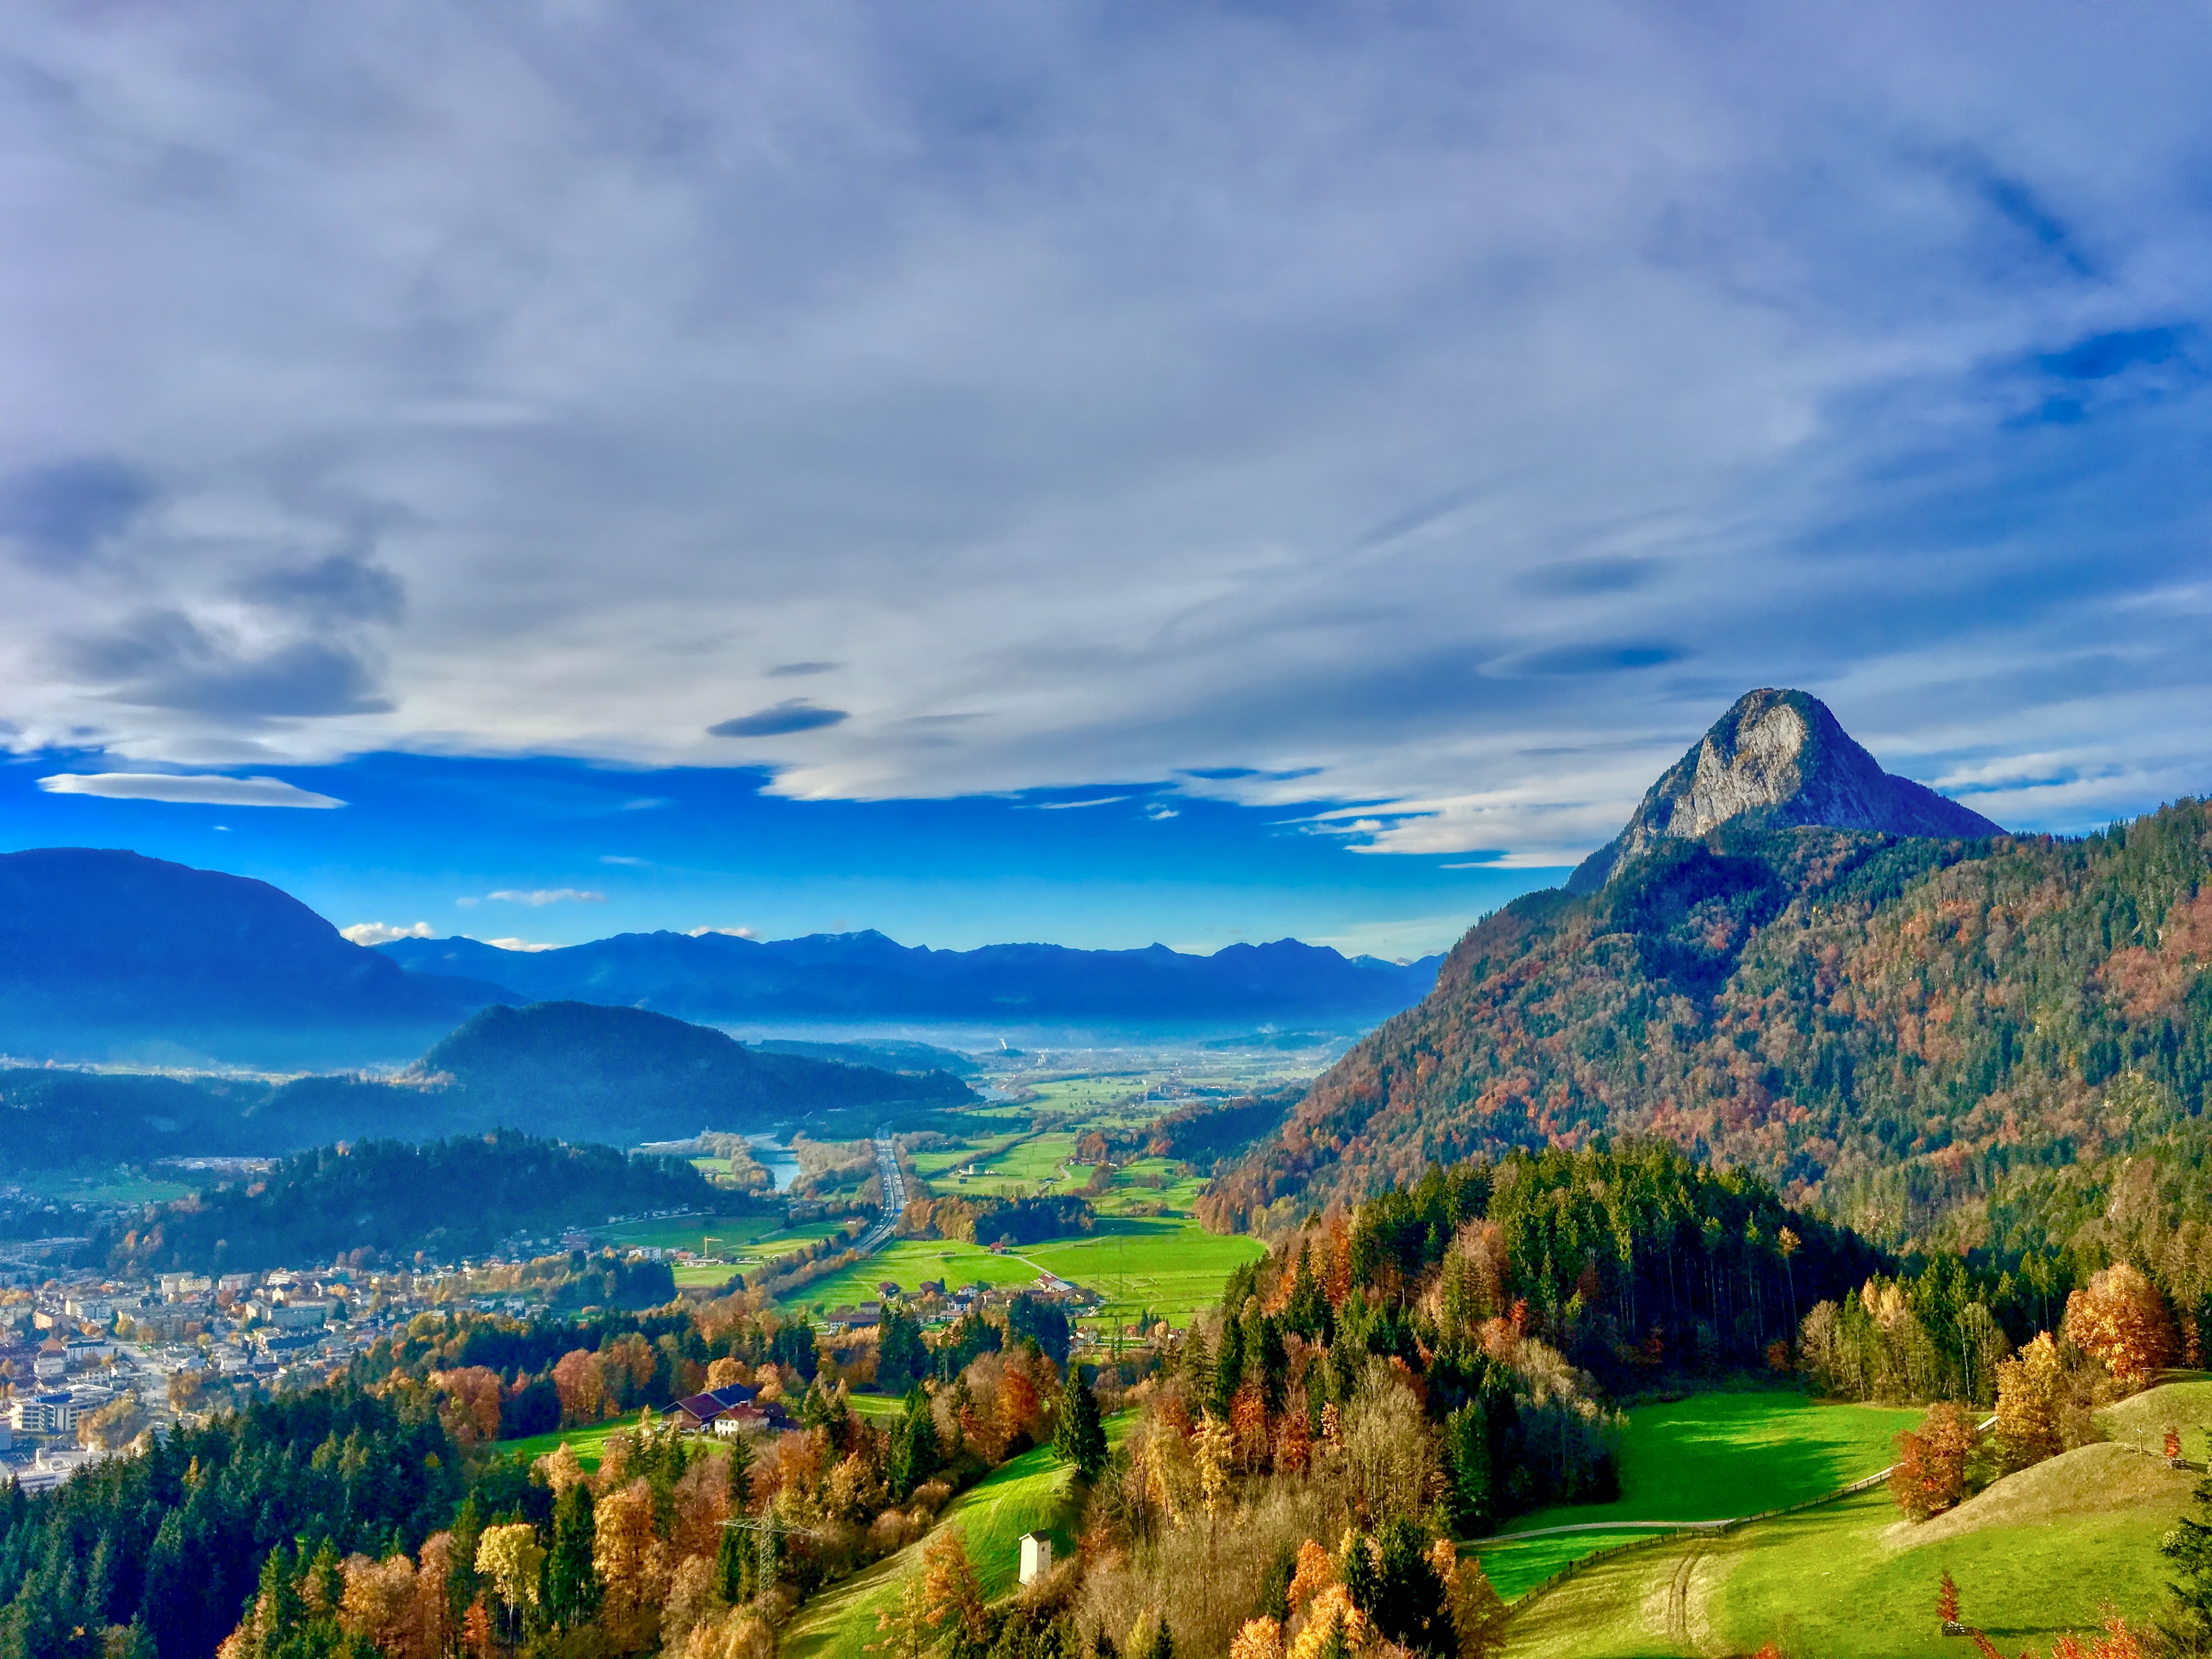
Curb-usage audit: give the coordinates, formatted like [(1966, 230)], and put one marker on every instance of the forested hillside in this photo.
[(1883, 1026), (450, 1198)]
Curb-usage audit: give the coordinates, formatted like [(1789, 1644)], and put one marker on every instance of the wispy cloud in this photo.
[(734, 932), (383, 932), (1536, 388), (517, 944), (1076, 805), (548, 896), (194, 788)]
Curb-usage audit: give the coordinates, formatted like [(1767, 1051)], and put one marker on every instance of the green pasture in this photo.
[(908, 1261), (1177, 1192), (2143, 1420), (1030, 1493), (589, 1444), (121, 1185), (1169, 1264), (1709, 1457), (2037, 1554)]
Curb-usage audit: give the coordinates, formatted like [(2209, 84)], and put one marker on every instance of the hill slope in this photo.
[(865, 976), (579, 1070), (1882, 1024), (106, 954)]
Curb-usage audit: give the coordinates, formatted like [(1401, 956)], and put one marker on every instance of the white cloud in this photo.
[(734, 932), (1074, 806), (382, 932), (1539, 383), (517, 944), (190, 788), (549, 895)]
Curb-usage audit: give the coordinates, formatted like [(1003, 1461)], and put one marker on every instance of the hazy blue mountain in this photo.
[(865, 976), (584, 1071), (577, 1071), (108, 954)]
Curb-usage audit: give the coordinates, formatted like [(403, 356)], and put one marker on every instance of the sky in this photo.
[(1355, 447)]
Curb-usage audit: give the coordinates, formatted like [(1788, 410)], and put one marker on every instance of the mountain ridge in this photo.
[(1782, 757), (865, 974), (1889, 1026)]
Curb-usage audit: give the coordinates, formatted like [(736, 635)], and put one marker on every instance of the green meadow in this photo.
[(2036, 1555), (1167, 1264), (1030, 1493), (1709, 1457)]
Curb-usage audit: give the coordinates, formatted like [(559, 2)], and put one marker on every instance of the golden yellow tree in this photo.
[(509, 1558), (1213, 1448), (1259, 1638), (951, 1591), (2026, 1429), (623, 1548)]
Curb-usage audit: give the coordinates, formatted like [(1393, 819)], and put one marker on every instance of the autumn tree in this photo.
[(2026, 1429), (953, 1594), (2122, 1320), (508, 1558), (1947, 1599), (1930, 1473), (470, 1410), (622, 1549)]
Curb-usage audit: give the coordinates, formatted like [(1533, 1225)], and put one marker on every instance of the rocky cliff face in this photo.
[(1782, 756)]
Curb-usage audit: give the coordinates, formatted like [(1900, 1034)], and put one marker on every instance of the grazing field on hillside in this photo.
[(2035, 1555), (589, 1443), (1029, 1494), (1709, 1457)]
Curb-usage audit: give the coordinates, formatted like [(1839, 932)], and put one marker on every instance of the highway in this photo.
[(894, 1179)]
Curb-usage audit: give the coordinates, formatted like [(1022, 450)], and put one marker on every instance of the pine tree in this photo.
[(2187, 1621), (1079, 1438), (572, 1588), (1467, 1450), (733, 1559)]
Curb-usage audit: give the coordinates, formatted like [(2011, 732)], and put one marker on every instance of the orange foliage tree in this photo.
[(1930, 1473), (2122, 1320)]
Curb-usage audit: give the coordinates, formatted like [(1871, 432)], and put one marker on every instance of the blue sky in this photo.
[(1383, 436)]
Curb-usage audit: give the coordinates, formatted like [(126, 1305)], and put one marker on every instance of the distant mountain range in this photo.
[(857, 977)]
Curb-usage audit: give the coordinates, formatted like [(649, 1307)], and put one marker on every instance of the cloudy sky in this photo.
[(1355, 447)]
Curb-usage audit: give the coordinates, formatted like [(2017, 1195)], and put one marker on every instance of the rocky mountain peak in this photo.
[(1782, 756)]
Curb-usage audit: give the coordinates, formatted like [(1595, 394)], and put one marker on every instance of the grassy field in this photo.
[(1711, 1457), (2035, 1555), (122, 1185), (1029, 1494), (1169, 1264), (588, 1444), (906, 1263)]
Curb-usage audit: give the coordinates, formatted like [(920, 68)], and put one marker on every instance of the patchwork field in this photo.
[(1168, 1265), (2036, 1555)]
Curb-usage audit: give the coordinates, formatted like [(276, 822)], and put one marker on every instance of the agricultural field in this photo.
[(1168, 1265), (1709, 1457), (736, 1239), (1148, 1254), (122, 1185), (2035, 1555), (907, 1263)]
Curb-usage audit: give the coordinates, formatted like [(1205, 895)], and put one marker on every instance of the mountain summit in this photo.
[(1782, 756)]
